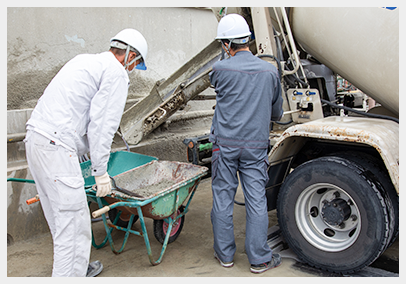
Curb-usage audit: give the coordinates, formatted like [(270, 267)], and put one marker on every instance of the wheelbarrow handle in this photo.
[(100, 211), (21, 180), (33, 200)]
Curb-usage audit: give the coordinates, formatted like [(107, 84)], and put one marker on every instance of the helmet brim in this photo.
[(243, 35)]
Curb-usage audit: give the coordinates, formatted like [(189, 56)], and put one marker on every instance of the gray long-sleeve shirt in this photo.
[(248, 98)]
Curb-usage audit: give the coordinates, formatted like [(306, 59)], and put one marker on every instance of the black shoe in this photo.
[(94, 268), (259, 268)]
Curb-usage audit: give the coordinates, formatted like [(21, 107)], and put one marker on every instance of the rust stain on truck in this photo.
[(353, 130)]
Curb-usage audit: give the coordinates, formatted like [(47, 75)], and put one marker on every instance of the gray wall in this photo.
[(41, 40)]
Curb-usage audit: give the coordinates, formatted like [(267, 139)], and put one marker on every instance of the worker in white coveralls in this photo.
[(248, 98), (79, 112)]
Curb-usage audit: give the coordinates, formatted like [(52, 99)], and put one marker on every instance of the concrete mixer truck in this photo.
[(333, 169), (333, 178)]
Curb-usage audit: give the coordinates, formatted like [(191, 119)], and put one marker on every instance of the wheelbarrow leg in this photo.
[(170, 222), (109, 230), (94, 241), (101, 245), (127, 234), (146, 239)]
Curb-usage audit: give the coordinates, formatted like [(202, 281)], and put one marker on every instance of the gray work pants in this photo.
[(252, 167)]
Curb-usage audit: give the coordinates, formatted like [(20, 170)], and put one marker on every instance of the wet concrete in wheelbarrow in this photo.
[(191, 255)]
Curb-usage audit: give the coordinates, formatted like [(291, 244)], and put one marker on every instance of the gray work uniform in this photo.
[(248, 98)]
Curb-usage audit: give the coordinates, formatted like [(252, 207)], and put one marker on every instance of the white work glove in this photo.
[(103, 185)]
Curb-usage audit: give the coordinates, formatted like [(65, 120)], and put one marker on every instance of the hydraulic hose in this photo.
[(297, 79), (283, 123), (360, 112)]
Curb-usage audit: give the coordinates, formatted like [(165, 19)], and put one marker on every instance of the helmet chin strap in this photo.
[(236, 41), (227, 48), (128, 64)]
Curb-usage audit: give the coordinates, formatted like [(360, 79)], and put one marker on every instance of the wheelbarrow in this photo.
[(156, 190), (169, 185)]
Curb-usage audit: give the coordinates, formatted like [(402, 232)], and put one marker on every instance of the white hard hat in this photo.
[(233, 26), (135, 40)]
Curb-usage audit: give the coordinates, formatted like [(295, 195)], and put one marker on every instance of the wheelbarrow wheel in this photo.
[(161, 228), (123, 219)]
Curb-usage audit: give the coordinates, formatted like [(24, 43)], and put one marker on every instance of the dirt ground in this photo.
[(191, 255)]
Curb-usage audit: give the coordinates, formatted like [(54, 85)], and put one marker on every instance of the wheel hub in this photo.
[(335, 212)]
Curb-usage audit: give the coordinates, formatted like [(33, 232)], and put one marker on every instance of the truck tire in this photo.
[(333, 216), (380, 175)]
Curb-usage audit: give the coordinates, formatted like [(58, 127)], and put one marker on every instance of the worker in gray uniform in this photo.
[(79, 112), (248, 97)]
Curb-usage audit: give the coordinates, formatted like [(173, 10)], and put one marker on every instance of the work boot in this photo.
[(224, 264), (259, 268), (94, 268)]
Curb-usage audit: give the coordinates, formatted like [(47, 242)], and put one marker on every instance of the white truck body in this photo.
[(333, 179)]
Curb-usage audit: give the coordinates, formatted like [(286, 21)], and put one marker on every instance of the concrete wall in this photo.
[(41, 40)]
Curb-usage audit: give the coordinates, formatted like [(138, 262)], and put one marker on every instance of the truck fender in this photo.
[(382, 135)]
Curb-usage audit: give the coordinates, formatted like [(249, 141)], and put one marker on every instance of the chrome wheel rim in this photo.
[(327, 217)]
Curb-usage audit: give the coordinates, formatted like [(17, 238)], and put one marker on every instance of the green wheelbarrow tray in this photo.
[(119, 162), (155, 190)]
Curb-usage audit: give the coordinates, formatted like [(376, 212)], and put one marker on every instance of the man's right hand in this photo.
[(103, 185)]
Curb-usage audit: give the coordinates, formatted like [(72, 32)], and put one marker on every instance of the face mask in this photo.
[(141, 66), (130, 63)]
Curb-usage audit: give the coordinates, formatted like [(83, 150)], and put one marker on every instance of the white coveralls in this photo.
[(79, 112)]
